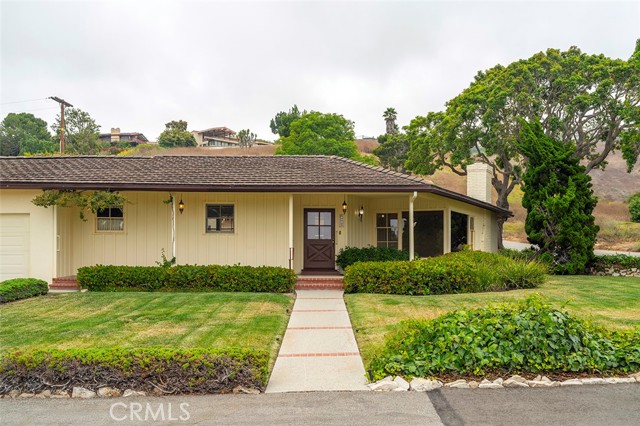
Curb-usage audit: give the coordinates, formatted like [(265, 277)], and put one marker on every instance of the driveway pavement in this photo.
[(610, 405)]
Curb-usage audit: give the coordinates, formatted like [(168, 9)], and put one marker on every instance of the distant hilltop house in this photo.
[(116, 136), (219, 137)]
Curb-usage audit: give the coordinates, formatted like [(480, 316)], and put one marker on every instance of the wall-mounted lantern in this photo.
[(181, 206), (344, 206), (361, 213)]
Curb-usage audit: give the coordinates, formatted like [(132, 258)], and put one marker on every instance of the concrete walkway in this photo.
[(319, 350)]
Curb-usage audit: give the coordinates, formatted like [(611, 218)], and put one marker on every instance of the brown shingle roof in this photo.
[(213, 174)]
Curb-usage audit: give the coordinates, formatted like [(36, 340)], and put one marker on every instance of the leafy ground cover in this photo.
[(608, 301), (527, 336), (139, 320)]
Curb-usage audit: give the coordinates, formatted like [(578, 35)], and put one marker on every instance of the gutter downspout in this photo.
[(411, 231), (173, 226), (291, 231)]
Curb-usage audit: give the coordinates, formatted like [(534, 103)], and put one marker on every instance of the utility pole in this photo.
[(63, 104)]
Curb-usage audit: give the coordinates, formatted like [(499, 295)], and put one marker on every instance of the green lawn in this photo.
[(610, 301), (178, 320)]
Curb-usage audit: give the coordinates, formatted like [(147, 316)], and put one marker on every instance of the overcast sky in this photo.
[(139, 65)]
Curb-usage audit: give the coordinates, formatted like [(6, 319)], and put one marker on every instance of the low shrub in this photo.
[(22, 288), (461, 272), (622, 261), (187, 278), (527, 336), (169, 370), (350, 255)]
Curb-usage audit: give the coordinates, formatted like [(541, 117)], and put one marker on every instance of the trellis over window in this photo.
[(220, 218), (110, 219)]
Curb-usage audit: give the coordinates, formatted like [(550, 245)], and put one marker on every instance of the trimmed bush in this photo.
[(461, 272), (350, 255), (170, 370), (22, 288), (634, 207), (528, 336), (187, 278)]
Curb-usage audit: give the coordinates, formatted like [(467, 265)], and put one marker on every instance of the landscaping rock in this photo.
[(572, 382), (546, 379), (594, 381), (27, 395), (402, 383), (538, 378), (458, 384), (515, 382), (473, 384), (542, 383), (498, 381), (44, 394), (248, 391), (14, 394), (59, 394), (386, 384), (108, 392), (424, 385), (487, 384), (617, 380), (636, 376), (82, 393), (129, 392)]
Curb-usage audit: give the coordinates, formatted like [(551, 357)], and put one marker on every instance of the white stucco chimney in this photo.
[(479, 181)]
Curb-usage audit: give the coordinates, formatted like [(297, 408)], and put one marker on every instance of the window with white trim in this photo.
[(220, 218), (110, 219), (387, 229)]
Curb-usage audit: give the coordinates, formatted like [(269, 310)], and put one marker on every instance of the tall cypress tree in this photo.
[(559, 201)]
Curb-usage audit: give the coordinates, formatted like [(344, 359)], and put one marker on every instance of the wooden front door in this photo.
[(319, 239)]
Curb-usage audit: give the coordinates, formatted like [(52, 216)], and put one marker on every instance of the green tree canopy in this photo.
[(315, 133), (589, 101), (24, 133), (81, 132), (393, 151), (559, 200), (281, 123), (176, 134)]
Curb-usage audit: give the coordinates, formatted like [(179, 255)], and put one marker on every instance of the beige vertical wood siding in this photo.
[(260, 237)]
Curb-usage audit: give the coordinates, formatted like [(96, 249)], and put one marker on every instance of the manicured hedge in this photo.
[(461, 272), (187, 278), (22, 288), (350, 255), (524, 337), (171, 370), (602, 263)]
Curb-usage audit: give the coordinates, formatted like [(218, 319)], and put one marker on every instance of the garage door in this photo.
[(14, 246)]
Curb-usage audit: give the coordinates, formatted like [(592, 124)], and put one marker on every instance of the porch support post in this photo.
[(173, 227), (290, 231), (56, 238), (411, 230)]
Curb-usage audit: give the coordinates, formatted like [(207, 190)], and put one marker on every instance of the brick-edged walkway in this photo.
[(319, 350)]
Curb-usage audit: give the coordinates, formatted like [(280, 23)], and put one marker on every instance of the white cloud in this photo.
[(137, 65)]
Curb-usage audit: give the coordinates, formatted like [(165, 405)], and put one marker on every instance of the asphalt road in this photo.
[(521, 246), (611, 405)]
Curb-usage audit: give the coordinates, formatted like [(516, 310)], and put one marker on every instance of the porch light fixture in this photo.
[(344, 206), (181, 206), (361, 213)]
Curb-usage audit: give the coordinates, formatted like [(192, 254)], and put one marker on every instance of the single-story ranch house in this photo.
[(289, 211)]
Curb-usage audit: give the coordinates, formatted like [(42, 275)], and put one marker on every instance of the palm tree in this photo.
[(390, 116)]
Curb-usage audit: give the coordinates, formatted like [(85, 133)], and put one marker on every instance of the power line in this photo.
[(29, 110), (21, 102)]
